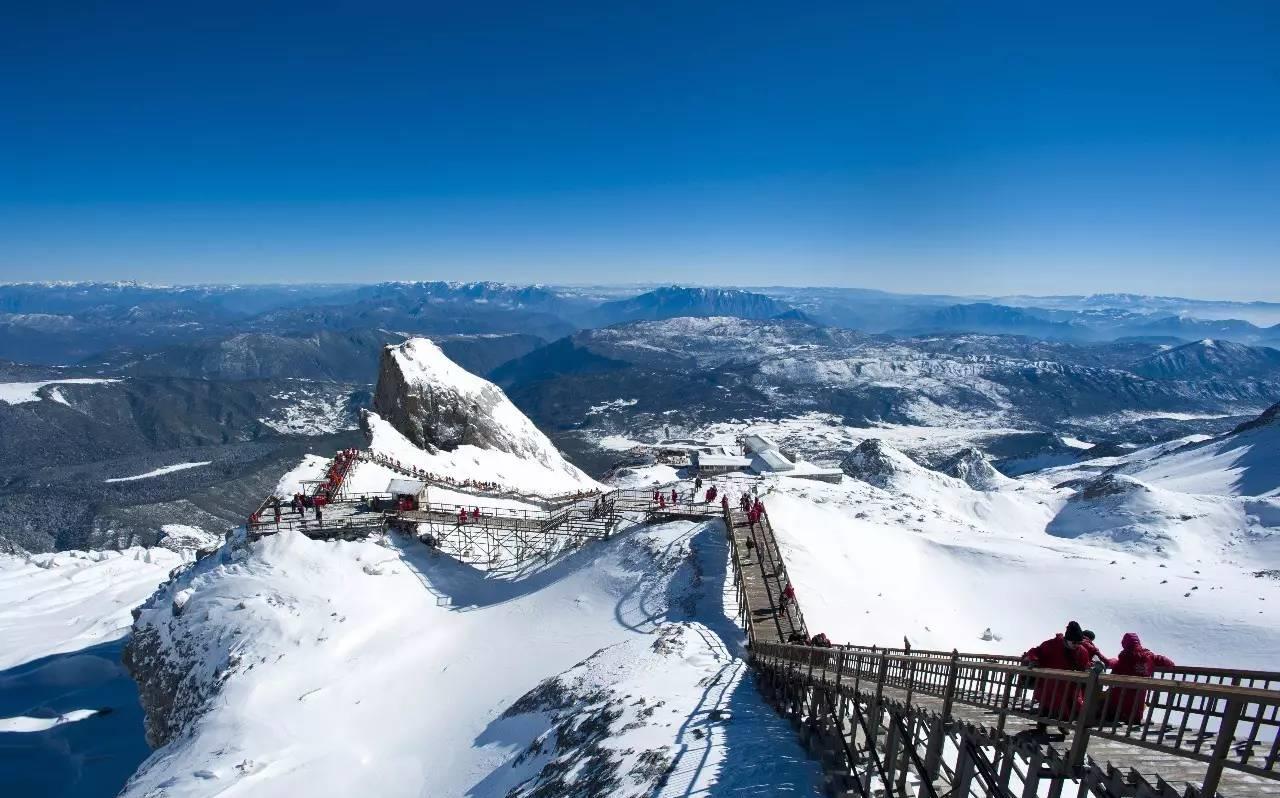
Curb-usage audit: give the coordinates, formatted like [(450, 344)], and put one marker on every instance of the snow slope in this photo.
[(378, 668), (63, 618), (54, 603), (15, 393), (940, 565), (1242, 463)]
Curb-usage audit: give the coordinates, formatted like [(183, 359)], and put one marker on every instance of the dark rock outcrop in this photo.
[(875, 462), (972, 467)]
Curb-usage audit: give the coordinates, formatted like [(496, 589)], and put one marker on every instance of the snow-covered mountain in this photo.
[(291, 666), (677, 301), (615, 667), (717, 368), (1210, 359), (1245, 462)]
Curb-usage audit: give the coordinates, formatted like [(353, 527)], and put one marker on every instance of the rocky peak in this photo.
[(1111, 485), (438, 405), (876, 462)]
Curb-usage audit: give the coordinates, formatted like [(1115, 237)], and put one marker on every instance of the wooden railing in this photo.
[(1225, 726)]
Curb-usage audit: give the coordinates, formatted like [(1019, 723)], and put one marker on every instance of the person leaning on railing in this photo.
[(1059, 699), (1127, 704)]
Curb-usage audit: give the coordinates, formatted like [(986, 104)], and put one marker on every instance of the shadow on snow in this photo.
[(753, 751)]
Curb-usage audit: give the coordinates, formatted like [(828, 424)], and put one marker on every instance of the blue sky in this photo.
[(962, 147)]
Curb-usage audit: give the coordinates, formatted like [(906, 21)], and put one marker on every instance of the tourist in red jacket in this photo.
[(1059, 699), (1127, 704)]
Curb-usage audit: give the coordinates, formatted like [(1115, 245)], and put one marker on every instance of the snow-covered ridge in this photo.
[(294, 667)]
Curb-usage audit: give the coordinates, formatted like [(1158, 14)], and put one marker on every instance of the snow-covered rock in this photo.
[(438, 405), (877, 463), (972, 467), (449, 422)]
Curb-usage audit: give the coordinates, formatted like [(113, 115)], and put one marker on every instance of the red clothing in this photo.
[(1058, 699), (1127, 705), (1092, 649)]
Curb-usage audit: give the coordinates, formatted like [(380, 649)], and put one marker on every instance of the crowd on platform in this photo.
[(484, 486)]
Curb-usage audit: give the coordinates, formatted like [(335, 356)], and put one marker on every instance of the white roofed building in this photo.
[(712, 463)]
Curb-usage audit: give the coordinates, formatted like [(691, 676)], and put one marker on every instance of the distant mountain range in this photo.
[(674, 302), (63, 323)]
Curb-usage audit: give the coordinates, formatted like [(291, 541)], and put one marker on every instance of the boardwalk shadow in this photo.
[(464, 587), (728, 742), (732, 743), (90, 757)]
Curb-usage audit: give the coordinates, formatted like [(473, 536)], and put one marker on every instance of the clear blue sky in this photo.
[(939, 146)]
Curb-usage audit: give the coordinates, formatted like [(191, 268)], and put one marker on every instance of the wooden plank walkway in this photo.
[(764, 578), (1124, 756)]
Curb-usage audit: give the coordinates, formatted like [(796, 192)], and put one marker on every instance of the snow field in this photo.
[(872, 571), (53, 603), (16, 393), (169, 469)]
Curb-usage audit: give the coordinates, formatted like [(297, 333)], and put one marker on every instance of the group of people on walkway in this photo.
[(482, 485), (1075, 649)]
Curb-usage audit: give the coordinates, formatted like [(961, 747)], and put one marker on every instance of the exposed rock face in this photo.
[(972, 467), (1111, 485), (439, 406), (177, 672), (876, 462), (1269, 416)]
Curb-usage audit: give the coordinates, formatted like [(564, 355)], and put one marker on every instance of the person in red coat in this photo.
[(1127, 704), (1059, 699)]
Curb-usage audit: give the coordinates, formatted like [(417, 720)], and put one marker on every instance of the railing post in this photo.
[(876, 704), (1222, 746), (934, 753), (949, 692), (1080, 742)]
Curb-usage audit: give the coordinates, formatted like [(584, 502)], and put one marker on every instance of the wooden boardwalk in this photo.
[(874, 717), (764, 577)]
